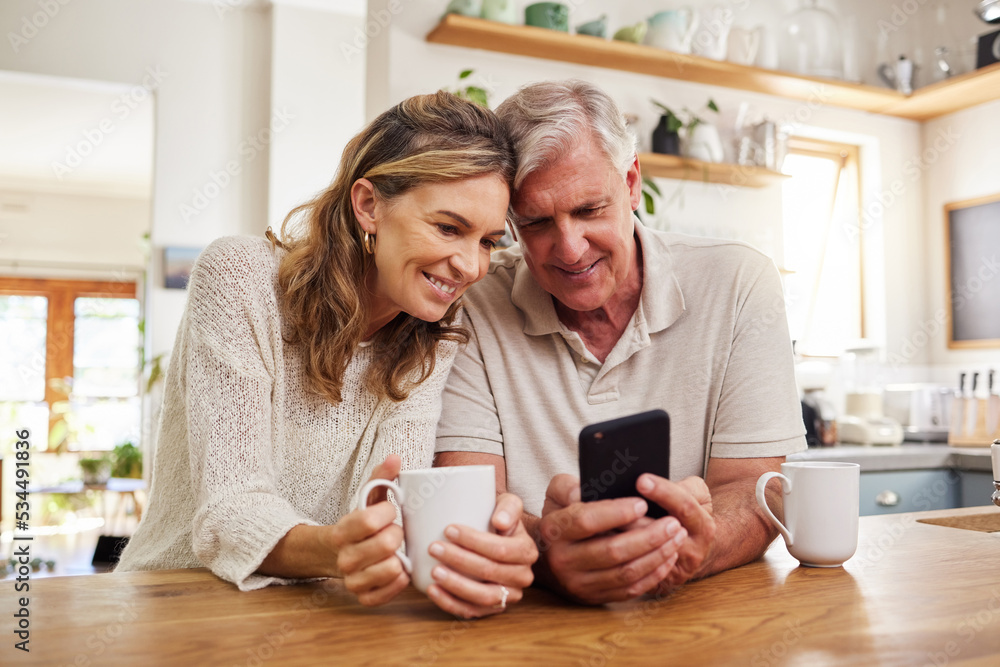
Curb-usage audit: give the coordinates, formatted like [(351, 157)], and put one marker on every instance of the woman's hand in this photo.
[(366, 541), (477, 568)]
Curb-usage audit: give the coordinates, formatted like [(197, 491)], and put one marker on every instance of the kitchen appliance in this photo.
[(989, 49), (923, 409), (863, 421)]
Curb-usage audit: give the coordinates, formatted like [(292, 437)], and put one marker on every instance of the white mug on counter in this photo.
[(432, 500), (822, 503)]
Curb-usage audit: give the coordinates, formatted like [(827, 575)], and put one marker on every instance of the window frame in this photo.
[(60, 322), (849, 156)]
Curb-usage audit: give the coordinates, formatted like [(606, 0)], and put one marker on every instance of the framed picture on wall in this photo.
[(972, 267), (177, 265)]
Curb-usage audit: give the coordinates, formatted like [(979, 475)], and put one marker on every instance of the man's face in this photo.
[(574, 225)]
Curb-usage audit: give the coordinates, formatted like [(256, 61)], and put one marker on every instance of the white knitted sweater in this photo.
[(245, 452)]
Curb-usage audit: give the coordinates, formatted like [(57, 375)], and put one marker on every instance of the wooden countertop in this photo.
[(913, 594)]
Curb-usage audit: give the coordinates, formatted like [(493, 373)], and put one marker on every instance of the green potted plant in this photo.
[(476, 94), (126, 461), (700, 138), (95, 470), (666, 134)]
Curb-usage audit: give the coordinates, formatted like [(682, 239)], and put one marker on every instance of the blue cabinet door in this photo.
[(909, 491)]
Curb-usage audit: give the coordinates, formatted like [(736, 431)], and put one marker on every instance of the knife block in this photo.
[(973, 422)]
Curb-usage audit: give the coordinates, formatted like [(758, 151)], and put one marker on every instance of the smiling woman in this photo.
[(307, 365)]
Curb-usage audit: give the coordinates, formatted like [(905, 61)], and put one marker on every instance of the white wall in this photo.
[(102, 232), (321, 84), (968, 167)]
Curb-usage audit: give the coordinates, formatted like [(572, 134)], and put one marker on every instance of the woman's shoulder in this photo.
[(238, 255), (232, 272)]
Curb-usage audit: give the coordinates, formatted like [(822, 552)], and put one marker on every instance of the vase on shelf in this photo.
[(703, 143), (809, 43), (666, 141)]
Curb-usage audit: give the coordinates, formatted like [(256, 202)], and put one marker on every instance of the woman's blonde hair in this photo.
[(424, 139)]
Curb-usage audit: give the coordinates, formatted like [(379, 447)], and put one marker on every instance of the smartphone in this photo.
[(614, 453)]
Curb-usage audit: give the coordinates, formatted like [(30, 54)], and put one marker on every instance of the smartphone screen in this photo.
[(614, 453)]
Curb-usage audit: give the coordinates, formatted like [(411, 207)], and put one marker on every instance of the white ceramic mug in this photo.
[(432, 500), (821, 503)]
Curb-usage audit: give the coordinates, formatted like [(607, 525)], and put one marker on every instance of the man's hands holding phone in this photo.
[(609, 550)]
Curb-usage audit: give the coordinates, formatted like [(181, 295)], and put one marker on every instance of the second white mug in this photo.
[(431, 500), (822, 502)]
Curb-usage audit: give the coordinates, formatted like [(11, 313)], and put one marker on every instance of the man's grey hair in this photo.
[(547, 119)]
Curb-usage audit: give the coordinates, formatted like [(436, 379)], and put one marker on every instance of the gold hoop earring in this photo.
[(369, 243)]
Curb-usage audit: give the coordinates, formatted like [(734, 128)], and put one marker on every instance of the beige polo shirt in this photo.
[(708, 343)]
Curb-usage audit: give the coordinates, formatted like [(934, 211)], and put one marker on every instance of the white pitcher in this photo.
[(744, 43), (672, 30), (711, 39)]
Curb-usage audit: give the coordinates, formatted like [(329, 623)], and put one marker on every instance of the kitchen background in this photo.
[(130, 127)]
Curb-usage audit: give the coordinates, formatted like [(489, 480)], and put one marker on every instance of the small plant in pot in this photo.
[(127, 461), (666, 137), (696, 137), (95, 470)]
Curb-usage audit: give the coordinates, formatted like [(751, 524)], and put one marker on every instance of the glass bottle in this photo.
[(809, 42)]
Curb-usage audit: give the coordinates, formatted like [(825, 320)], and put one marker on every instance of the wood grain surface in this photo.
[(914, 594)]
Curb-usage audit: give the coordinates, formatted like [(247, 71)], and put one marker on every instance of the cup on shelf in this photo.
[(502, 11), (743, 45), (596, 28), (551, 15), (672, 30)]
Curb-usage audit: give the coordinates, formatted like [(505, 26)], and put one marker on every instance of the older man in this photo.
[(594, 317)]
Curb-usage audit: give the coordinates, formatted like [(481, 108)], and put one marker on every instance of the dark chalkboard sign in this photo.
[(972, 235)]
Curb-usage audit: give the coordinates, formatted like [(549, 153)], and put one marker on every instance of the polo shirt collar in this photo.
[(660, 303)]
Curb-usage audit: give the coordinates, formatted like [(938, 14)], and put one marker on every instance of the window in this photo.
[(72, 362), (823, 246)]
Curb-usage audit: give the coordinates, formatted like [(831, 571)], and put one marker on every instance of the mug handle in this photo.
[(363, 504), (786, 485)]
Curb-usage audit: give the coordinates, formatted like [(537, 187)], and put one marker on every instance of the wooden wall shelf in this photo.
[(931, 101), (673, 166)]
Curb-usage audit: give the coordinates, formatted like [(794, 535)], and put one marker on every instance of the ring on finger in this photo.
[(503, 598)]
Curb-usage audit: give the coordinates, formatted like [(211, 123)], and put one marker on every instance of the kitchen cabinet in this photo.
[(977, 488), (909, 491), (931, 101)]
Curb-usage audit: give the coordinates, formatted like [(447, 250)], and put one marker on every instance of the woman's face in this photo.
[(432, 242)]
